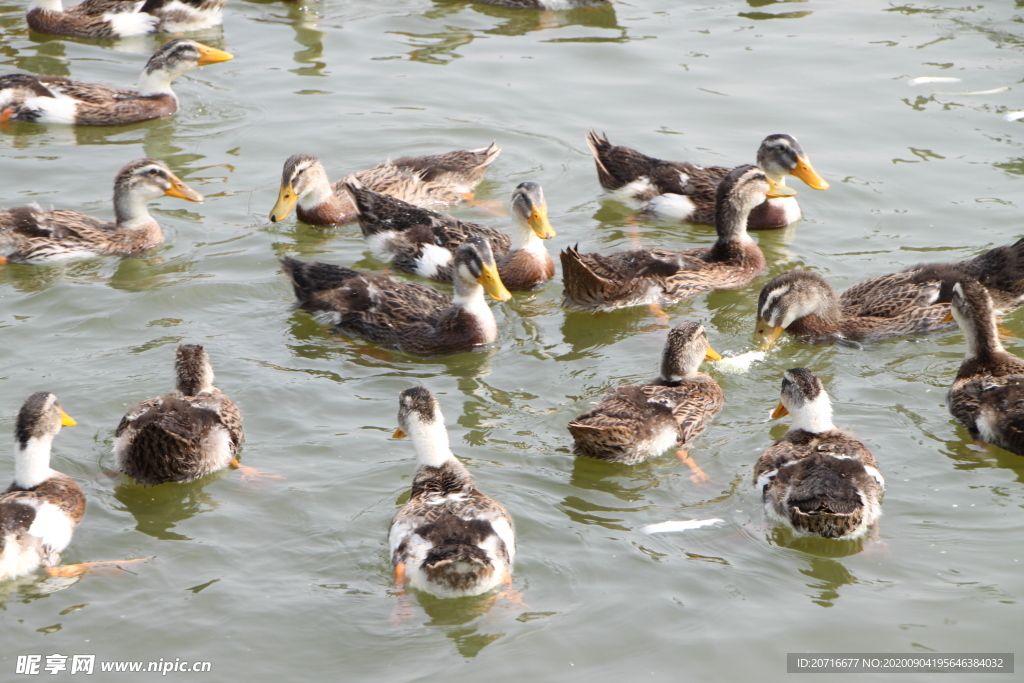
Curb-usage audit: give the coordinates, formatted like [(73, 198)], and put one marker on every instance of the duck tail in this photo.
[(310, 278), (583, 288), (600, 148)]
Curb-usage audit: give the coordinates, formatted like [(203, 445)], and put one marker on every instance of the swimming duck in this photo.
[(819, 480), (121, 18), (32, 234), (911, 301), (423, 242), (595, 282), (40, 510), (424, 181), (183, 435), (55, 99), (449, 540), (683, 190), (407, 316), (635, 421), (987, 395)]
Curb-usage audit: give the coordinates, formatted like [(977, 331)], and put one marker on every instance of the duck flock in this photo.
[(450, 539)]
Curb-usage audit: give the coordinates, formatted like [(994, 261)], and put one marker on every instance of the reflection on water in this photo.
[(158, 509), (471, 623), (830, 576)]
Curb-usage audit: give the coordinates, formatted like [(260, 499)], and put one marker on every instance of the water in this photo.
[(289, 580)]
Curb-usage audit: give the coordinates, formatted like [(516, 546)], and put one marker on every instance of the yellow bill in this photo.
[(780, 411), (766, 334), (211, 55), (538, 220), (286, 199), (711, 354), (65, 419), (398, 434), (182, 191), (777, 190), (805, 172), (492, 283)]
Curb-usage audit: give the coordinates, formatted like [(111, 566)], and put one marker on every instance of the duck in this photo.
[(184, 435), (817, 479), (41, 508), (423, 242), (123, 18), (30, 234), (679, 189), (55, 99), (407, 316), (431, 180), (597, 282), (987, 394), (450, 540), (908, 302), (635, 421)]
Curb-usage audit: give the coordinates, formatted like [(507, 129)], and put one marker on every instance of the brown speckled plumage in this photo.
[(95, 18), (405, 233), (633, 422), (29, 233), (436, 179), (640, 276), (911, 301), (779, 155), (818, 479), (184, 435)]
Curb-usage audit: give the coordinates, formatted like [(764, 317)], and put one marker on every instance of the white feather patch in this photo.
[(679, 525), (131, 24), (53, 109), (432, 258), (52, 526), (671, 205)]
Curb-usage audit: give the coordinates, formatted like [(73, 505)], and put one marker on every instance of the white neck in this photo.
[(32, 463), (814, 417), (318, 192), (430, 441), (133, 211), (523, 237), (156, 83), (52, 5)]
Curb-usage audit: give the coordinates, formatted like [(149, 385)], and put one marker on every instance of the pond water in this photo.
[(290, 580)]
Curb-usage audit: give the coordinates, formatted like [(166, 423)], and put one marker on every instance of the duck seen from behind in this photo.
[(987, 394), (911, 301), (184, 435), (596, 282), (29, 234), (41, 508), (55, 99), (449, 540), (635, 421), (430, 180), (122, 18), (404, 315), (424, 242), (683, 190), (817, 479)]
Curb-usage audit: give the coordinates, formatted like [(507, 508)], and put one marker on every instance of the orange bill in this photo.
[(805, 172), (182, 191), (780, 411), (211, 55)]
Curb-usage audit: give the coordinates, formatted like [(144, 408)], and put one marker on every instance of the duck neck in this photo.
[(430, 440), (731, 225), (132, 211), (525, 238), (156, 82), (319, 196), (470, 296), (32, 462), (982, 339), (815, 417)]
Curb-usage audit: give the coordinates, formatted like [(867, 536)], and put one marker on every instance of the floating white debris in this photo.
[(1013, 115), (921, 80), (678, 525), (741, 363), (993, 91)]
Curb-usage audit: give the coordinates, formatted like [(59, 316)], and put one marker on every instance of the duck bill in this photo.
[(538, 220), (711, 354), (766, 334), (492, 283), (65, 419), (805, 172), (398, 434), (286, 199), (211, 55), (778, 190), (182, 191), (780, 411)]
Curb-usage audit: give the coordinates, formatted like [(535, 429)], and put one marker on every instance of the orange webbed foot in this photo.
[(248, 472), (697, 475), (660, 316), (71, 570), (491, 206), (5, 115)]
